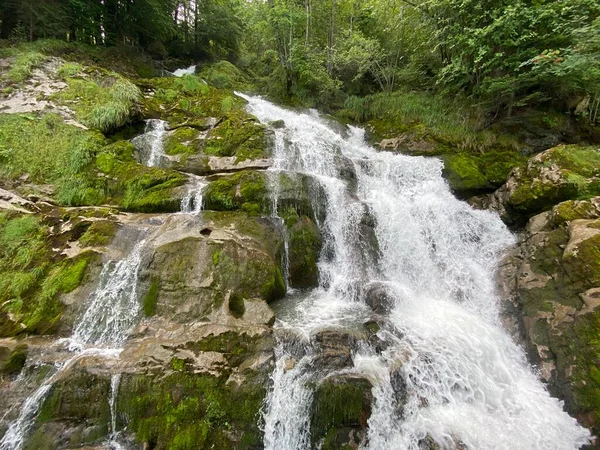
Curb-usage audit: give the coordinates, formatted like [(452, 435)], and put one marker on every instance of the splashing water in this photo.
[(111, 314), (113, 306), (466, 382), (187, 71), (18, 430), (151, 143), (191, 203)]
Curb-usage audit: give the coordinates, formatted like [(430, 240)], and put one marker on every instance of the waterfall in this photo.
[(111, 313), (466, 383), (191, 70), (151, 143), (191, 203)]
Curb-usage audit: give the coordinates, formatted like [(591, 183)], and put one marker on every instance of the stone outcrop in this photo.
[(552, 283)]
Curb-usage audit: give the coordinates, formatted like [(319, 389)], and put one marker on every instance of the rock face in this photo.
[(195, 368), (553, 282)]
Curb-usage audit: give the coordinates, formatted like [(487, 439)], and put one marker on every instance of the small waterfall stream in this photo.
[(151, 143), (444, 369)]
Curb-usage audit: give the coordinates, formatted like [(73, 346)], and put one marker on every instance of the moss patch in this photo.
[(186, 411), (151, 298), (245, 191)]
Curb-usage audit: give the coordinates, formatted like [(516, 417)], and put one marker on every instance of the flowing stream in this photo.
[(444, 368)]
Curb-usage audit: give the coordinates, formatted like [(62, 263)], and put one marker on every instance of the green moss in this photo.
[(577, 173), (181, 141), (583, 266), (187, 411), (245, 190), (339, 403), (304, 249), (78, 398), (135, 186), (184, 101), (16, 361), (151, 298), (237, 135), (99, 233)]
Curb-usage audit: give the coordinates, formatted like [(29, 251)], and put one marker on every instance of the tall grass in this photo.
[(106, 104), (451, 122), (49, 151)]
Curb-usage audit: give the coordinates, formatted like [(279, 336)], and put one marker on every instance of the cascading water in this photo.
[(191, 203), (151, 143), (111, 313), (191, 70), (465, 383)]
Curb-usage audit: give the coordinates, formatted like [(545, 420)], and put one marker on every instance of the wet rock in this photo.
[(379, 297), (277, 124), (340, 411), (336, 346), (304, 248), (409, 143)]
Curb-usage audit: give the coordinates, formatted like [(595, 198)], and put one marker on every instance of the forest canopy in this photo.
[(501, 55)]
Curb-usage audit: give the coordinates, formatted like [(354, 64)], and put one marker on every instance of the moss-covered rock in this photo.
[(558, 290), (245, 191), (188, 411), (237, 134), (135, 186), (182, 140), (12, 361), (561, 173), (304, 249), (341, 405), (235, 258), (75, 412)]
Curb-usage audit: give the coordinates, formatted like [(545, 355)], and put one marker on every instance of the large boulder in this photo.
[(558, 174)]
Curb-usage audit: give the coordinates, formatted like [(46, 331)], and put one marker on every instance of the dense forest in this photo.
[(500, 56)]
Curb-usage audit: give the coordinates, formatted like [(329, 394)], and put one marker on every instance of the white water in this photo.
[(112, 310), (467, 382), (187, 71), (191, 203), (151, 143)]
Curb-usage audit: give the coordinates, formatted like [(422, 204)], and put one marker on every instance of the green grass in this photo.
[(50, 151), (69, 70), (448, 121), (24, 65), (32, 276), (104, 101)]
